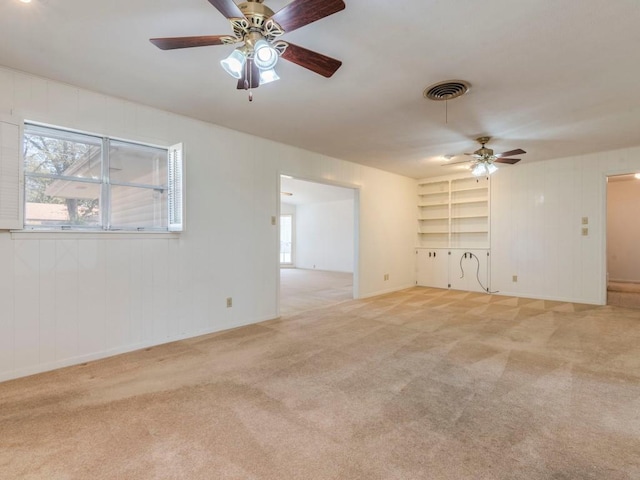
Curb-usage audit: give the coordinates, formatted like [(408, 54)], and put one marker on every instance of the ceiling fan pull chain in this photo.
[(248, 74), (446, 111)]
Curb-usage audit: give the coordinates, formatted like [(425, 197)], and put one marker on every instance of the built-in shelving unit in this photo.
[(434, 213), (454, 213), (453, 233)]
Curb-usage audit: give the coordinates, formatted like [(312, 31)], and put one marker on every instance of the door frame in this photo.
[(356, 227), (605, 227)]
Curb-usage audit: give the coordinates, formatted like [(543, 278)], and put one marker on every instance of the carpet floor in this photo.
[(623, 294), (419, 384), (302, 290)]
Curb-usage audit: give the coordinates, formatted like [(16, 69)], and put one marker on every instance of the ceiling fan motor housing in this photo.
[(255, 9), (484, 152)]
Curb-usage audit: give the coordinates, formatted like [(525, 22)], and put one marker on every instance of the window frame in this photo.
[(174, 189), (293, 234)]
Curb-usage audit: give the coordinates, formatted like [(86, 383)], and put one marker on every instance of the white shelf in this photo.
[(454, 190), (470, 200), (455, 213), (461, 217)]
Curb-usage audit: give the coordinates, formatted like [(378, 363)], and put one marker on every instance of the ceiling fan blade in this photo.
[(511, 153), (314, 61), (303, 12), (187, 42), (472, 154), (510, 161), (250, 76), (228, 8), (456, 163)]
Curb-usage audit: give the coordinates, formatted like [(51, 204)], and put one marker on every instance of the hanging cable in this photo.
[(472, 255)]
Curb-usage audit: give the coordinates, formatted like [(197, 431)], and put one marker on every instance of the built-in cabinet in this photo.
[(453, 233), (455, 268), (432, 267)]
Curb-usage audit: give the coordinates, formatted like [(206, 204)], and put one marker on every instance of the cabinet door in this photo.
[(433, 267), (469, 269)]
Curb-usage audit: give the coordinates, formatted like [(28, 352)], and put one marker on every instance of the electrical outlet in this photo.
[(515, 279), (229, 302), (273, 220), (386, 277)]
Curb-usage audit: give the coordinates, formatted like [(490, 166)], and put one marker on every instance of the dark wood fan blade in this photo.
[(188, 42), (228, 8), (511, 153), (314, 61), (250, 76), (456, 163), (510, 161), (303, 12)]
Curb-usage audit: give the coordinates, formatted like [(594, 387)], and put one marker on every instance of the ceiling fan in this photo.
[(258, 28), (484, 159)]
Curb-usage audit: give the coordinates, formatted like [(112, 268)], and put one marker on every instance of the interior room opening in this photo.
[(623, 238), (317, 233)]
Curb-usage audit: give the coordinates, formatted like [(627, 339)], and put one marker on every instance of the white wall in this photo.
[(287, 209), (68, 297), (623, 230), (536, 229), (324, 236)]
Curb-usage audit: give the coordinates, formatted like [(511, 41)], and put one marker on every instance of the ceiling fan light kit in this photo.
[(258, 28), (234, 63), (480, 169), (484, 160)]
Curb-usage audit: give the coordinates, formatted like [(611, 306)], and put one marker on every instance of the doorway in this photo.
[(623, 238), (318, 246)]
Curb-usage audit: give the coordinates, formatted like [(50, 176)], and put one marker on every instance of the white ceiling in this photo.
[(553, 77)]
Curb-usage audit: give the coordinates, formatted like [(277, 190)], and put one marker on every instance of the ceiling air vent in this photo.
[(447, 90)]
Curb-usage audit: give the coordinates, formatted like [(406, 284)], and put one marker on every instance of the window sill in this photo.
[(89, 235)]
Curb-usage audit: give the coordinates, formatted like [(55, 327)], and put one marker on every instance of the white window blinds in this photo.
[(11, 181), (176, 188)]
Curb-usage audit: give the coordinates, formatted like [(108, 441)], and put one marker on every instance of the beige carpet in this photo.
[(302, 290), (623, 294), (420, 384)]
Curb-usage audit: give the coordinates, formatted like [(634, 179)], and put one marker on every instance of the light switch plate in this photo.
[(585, 220)]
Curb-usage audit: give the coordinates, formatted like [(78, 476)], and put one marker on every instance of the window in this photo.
[(286, 239), (76, 181)]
